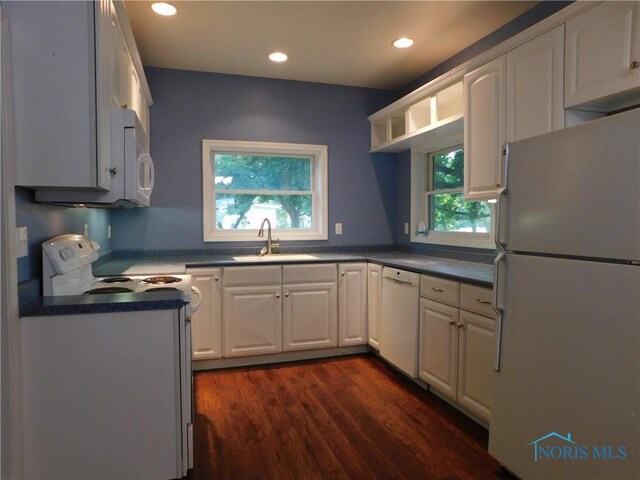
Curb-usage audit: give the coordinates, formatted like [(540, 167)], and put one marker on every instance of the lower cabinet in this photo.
[(206, 323), (374, 303), (457, 342), (310, 307), (252, 310), (352, 304)]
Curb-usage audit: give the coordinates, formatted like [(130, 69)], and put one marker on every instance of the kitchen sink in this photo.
[(275, 257)]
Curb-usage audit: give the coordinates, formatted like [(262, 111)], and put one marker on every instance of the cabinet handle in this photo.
[(286, 294), (125, 106), (634, 65), (277, 295), (113, 171), (343, 273), (498, 184), (452, 322), (215, 279), (483, 302), (437, 289), (461, 325)]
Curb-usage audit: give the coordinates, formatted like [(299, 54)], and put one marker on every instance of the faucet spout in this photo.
[(261, 234)]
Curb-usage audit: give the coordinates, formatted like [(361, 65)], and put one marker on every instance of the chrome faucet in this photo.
[(267, 250)]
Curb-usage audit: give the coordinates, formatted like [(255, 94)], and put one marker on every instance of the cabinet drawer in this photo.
[(477, 299), (309, 273), (260, 275), (444, 291)]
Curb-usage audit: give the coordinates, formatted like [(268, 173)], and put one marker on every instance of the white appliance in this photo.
[(106, 394), (132, 170), (399, 323), (567, 392)]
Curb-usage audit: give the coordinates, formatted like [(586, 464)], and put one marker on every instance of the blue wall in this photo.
[(46, 221), (192, 106)]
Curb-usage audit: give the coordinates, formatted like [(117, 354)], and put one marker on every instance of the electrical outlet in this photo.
[(406, 229), (338, 229), (22, 241), (108, 231), (86, 230)]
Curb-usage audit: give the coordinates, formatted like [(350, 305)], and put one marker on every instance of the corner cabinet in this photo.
[(602, 65), (206, 323), (484, 129), (62, 120)]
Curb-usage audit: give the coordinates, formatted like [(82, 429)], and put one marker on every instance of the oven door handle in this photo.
[(195, 305)]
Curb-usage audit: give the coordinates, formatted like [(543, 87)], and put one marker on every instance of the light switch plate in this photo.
[(406, 228), (86, 230), (338, 229), (22, 241)]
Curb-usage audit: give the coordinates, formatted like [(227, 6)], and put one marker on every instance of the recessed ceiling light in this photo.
[(278, 57), (403, 42), (163, 8)]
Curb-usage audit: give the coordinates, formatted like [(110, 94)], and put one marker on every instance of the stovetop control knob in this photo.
[(66, 253)]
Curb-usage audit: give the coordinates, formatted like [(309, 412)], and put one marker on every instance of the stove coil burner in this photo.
[(100, 290), (116, 280), (161, 280), (162, 289)]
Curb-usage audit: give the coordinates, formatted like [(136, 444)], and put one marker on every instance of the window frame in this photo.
[(319, 189), (420, 190)]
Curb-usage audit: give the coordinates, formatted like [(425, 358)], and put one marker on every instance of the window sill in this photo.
[(455, 240)]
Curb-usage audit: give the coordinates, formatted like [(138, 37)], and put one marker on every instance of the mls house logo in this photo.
[(554, 446)]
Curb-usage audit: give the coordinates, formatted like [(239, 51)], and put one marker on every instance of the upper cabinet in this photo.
[(484, 129), (433, 113), (534, 86), (602, 65), (62, 120)]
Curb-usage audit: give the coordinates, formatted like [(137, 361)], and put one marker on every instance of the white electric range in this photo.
[(66, 270)]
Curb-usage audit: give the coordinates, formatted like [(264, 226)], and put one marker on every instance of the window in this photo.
[(440, 214), (246, 182)]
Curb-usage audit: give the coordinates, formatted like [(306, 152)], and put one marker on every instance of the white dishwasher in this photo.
[(399, 323)]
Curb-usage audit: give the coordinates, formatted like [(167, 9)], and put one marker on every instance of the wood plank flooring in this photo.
[(342, 418)]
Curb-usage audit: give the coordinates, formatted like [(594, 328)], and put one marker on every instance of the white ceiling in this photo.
[(338, 42)]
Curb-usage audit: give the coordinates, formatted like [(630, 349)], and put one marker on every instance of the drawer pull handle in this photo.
[(483, 302), (437, 289)]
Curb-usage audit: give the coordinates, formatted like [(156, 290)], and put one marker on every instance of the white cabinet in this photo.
[(484, 129), (310, 308), (252, 310), (438, 361), (374, 303), (457, 342), (206, 323), (535, 86), (602, 64), (352, 304), (62, 117)]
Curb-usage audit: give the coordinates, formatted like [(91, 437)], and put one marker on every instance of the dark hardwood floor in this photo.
[(342, 418)]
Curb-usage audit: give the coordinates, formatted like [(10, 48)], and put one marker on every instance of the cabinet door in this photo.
[(374, 303), (252, 320), (438, 363), (602, 53), (475, 364), (534, 86), (206, 323), (310, 316), (352, 304), (484, 129)]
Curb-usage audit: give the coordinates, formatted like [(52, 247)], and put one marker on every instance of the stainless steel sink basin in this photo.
[(276, 257)]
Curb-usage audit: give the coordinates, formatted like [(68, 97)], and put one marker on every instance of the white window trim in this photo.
[(419, 186), (320, 200)]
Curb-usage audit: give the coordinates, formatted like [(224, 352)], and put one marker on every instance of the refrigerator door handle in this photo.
[(501, 192), (498, 310)]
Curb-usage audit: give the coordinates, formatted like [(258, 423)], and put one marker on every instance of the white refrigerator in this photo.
[(567, 286)]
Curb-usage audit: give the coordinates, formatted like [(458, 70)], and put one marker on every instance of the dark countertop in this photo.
[(115, 302), (460, 270)]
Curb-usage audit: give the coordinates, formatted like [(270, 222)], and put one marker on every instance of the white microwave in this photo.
[(131, 170)]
